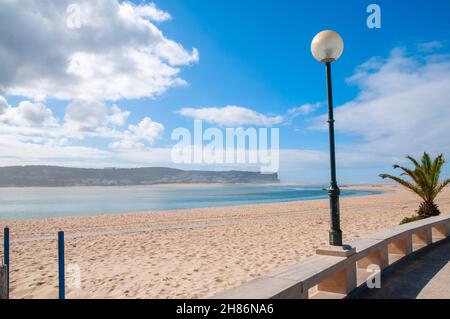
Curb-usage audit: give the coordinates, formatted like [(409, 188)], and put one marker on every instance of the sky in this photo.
[(105, 83)]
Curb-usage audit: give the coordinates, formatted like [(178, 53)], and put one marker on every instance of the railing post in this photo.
[(6, 257), (440, 231), (447, 229), (61, 269)]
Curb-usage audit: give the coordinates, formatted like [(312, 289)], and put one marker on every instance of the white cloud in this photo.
[(146, 130), (93, 116), (148, 11), (118, 117), (85, 115), (3, 105), (304, 109), (35, 113), (117, 52), (231, 116), (26, 113)]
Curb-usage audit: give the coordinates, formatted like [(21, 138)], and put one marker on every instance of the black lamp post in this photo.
[(326, 47)]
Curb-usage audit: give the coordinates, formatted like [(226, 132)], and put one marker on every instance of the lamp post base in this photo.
[(337, 251), (335, 237)]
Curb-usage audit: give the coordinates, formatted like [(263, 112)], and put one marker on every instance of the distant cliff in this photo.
[(42, 176)]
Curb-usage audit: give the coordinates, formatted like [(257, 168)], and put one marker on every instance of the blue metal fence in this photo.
[(61, 268), (6, 256)]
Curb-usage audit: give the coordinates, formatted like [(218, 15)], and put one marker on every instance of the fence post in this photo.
[(61, 270), (6, 257)]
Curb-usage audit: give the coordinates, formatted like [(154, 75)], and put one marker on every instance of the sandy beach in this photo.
[(191, 253)]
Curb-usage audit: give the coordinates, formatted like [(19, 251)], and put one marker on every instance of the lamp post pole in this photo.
[(333, 192), (327, 47)]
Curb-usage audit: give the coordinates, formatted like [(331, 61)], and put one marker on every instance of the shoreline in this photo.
[(377, 189), (176, 211), (193, 253), (194, 185)]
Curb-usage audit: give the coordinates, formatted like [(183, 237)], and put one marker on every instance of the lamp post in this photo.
[(326, 47)]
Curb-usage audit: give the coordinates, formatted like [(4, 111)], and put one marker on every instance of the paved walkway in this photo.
[(423, 275)]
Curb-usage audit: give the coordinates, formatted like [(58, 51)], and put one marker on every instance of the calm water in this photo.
[(69, 201)]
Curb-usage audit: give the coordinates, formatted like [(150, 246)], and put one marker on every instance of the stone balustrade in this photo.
[(323, 276)]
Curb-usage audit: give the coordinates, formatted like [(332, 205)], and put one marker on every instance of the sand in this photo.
[(191, 253)]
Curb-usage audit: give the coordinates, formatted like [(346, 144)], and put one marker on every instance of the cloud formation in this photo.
[(116, 51), (402, 108), (231, 116), (146, 130), (93, 115), (33, 126), (25, 114), (304, 109)]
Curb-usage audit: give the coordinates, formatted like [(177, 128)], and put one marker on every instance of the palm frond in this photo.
[(442, 186), (407, 184), (426, 162), (413, 160), (419, 170), (436, 167), (415, 175)]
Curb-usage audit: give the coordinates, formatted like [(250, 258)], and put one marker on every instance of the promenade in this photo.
[(422, 275)]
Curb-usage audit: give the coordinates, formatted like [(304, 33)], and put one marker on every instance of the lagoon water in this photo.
[(43, 202)]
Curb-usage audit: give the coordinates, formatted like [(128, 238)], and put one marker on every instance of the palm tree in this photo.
[(425, 182)]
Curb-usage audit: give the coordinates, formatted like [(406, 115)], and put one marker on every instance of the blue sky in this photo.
[(251, 54)]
